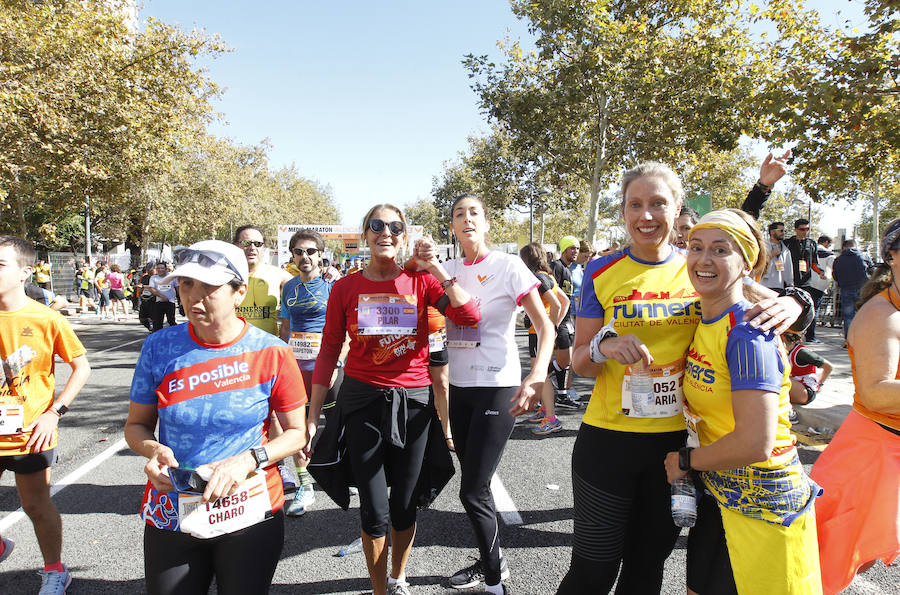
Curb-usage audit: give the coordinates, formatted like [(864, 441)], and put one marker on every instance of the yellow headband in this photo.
[(735, 226)]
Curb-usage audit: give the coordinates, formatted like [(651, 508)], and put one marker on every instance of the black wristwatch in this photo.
[(60, 411), (260, 456), (807, 316), (684, 458)]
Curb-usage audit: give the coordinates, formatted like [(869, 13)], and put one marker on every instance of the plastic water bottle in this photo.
[(354, 547), (684, 502), (641, 388)]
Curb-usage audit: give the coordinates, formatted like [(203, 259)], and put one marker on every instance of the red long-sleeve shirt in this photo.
[(383, 360)]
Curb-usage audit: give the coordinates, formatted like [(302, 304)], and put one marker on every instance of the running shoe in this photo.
[(8, 546), (565, 402), (474, 574), (573, 395), (793, 417), (303, 500), (547, 427), (536, 417), (54, 582), (398, 588)]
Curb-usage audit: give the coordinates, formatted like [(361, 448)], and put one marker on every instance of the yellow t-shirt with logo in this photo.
[(728, 355), (656, 302), (260, 305), (771, 539), (29, 339)]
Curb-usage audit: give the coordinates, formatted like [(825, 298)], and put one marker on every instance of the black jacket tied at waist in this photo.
[(331, 468)]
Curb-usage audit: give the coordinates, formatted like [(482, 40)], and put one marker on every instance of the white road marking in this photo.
[(117, 346), (17, 515), (504, 504)]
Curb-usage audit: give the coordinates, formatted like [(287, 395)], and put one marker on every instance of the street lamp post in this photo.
[(543, 192), (87, 227)]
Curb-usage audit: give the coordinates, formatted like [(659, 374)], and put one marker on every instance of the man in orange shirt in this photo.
[(31, 335)]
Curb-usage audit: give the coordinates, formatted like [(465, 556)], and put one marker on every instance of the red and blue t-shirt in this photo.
[(214, 401)]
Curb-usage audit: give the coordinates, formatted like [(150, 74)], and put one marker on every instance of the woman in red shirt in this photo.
[(384, 400)]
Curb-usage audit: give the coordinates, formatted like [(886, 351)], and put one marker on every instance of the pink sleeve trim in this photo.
[(524, 293)]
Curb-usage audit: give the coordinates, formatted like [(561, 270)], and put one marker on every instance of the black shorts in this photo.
[(117, 294), (532, 345), (564, 339), (85, 292), (440, 358), (810, 395), (30, 463)]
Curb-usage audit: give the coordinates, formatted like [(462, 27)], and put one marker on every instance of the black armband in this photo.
[(808, 315)]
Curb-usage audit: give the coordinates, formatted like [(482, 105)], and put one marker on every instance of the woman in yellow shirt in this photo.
[(755, 530)]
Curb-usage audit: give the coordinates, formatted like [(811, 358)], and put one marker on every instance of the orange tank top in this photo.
[(891, 420), (436, 320)]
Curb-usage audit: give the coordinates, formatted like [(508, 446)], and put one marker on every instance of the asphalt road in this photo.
[(102, 541)]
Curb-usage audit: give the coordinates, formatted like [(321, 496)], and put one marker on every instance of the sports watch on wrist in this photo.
[(684, 458), (260, 456), (60, 411)]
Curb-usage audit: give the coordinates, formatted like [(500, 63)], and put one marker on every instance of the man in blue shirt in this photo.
[(850, 271)]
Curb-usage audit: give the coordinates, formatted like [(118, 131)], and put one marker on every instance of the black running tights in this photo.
[(481, 424), (622, 511)]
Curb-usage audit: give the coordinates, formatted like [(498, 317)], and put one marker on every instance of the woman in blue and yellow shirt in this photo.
[(637, 308), (756, 511)]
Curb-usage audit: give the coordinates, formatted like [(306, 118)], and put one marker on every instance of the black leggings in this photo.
[(481, 425), (622, 511), (377, 463), (243, 562)]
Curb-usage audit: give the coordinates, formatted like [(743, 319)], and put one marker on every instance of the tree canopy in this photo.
[(93, 111), (613, 82)]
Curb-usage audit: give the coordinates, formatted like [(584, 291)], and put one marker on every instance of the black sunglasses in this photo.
[(308, 251), (254, 243), (396, 227)]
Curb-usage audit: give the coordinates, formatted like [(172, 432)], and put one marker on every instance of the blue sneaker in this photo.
[(54, 582), (8, 546), (548, 426), (303, 500)]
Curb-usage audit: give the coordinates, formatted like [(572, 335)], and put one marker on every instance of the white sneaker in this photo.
[(54, 582), (304, 498)]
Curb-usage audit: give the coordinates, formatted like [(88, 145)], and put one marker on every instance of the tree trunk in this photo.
[(20, 213), (599, 166), (134, 240), (875, 216)]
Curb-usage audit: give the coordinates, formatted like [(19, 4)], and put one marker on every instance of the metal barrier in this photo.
[(63, 266)]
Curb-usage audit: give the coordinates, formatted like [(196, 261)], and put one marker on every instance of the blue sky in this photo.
[(367, 97)]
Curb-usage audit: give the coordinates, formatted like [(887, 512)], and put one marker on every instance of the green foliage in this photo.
[(90, 108), (423, 212), (889, 209), (219, 185), (612, 83), (836, 94), (725, 175)]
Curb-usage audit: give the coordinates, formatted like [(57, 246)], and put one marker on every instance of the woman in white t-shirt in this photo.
[(486, 386)]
